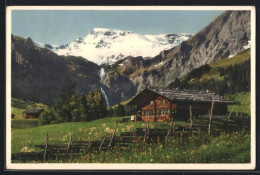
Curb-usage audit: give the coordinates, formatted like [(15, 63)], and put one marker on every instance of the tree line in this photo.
[(70, 107)]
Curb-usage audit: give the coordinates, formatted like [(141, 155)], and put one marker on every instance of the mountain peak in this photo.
[(29, 43), (100, 29), (103, 45), (107, 31)]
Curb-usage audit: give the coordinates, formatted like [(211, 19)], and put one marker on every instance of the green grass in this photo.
[(226, 148), (224, 63), (19, 106), (59, 133), (240, 98), (24, 123)]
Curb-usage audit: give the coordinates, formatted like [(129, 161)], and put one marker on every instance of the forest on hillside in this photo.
[(230, 80)]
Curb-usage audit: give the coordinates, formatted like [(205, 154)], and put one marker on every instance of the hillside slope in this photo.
[(225, 76), (39, 74)]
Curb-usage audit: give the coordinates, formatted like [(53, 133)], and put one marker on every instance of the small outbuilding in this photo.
[(32, 113), (164, 104)]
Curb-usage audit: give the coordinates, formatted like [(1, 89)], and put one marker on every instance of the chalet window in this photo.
[(164, 111), (150, 112)]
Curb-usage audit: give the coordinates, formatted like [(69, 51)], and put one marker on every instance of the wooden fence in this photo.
[(203, 124)]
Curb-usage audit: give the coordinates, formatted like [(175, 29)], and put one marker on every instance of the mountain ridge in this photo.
[(106, 46), (39, 74)]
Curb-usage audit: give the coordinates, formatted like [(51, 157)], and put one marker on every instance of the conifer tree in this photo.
[(100, 105), (90, 105)]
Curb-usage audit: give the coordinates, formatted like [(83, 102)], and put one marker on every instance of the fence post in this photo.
[(112, 137), (169, 130), (69, 144), (166, 138), (101, 143), (241, 110), (210, 115), (191, 119), (148, 131), (145, 133), (46, 146), (89, 144), (171, 123), (231, 112), (28, 146)]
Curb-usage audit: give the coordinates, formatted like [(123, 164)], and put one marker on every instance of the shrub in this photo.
[(47, 117)]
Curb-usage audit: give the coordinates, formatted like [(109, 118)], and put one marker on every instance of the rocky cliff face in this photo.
[(39, 74), (227, 35)]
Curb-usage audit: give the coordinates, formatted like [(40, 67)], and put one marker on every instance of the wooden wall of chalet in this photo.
[(31, 115), (199, 108), (158, 110)]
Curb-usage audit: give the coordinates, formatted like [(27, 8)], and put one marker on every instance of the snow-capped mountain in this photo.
[(109, 45)]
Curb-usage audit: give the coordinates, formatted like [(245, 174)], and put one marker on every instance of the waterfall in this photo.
[(101, 74), (104, 94)]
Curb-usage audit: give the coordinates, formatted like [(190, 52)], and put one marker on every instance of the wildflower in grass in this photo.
[(64, 138), (203, 146), (93, 129), (103, 124), (124, 148), (129, 127), (25, 149), (110, 131)]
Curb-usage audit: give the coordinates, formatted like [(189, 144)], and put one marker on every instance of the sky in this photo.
[(59, 27)]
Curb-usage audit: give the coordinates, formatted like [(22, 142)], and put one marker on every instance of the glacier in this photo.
[(106, 46)]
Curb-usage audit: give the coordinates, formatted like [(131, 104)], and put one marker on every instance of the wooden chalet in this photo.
[(32, 113), (164, 104)]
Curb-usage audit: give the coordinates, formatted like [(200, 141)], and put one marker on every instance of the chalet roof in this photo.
[(176, 95), (34, 111), (190, 95)]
